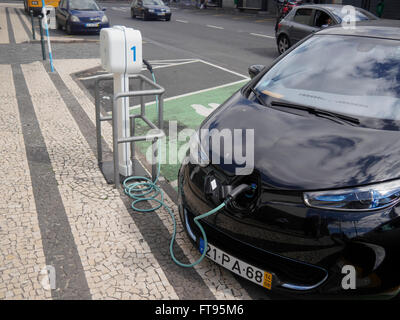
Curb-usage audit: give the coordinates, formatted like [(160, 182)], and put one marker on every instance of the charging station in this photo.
[(121, 55)]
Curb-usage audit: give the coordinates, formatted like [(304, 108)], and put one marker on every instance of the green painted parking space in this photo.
[(182, 112)]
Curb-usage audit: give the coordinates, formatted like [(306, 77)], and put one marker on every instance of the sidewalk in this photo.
[(59, 219)]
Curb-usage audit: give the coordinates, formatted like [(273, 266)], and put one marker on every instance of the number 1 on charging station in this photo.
[(134, 53)]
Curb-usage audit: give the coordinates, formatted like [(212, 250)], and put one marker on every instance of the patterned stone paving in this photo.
[(121, 254)]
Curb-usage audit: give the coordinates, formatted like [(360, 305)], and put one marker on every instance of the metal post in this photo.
[(98, 123), (158, 91), (33, 25), (133, 122), (154, 159), (161, 111), (42, 37), (142, 105), (115, 143)]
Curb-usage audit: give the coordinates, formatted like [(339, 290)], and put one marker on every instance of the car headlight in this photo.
[(197, 153), (74, 19), (167, 10), (104, 19), (373, 197), (151, 10)]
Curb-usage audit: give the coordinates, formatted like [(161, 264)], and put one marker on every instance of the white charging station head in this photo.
[(121, 50)]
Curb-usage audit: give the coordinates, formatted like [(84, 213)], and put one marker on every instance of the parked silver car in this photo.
[(306, 19)]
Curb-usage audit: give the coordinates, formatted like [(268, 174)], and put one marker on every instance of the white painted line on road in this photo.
[(171, 60), (183, 21), (174, 64), (123, 9), (262, 35), (224, 69), (215, 27)]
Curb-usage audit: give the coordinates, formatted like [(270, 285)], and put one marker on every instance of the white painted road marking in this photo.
[(215, 27), (262, 35), (182, 21)]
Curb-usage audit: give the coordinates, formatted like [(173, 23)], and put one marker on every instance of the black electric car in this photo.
[(320, 213)]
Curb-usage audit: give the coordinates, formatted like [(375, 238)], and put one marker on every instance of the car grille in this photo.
[(85, 19)]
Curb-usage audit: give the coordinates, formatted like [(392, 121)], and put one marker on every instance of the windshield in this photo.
[(357, 76), (359, 14), (83, 5), (153, 2)]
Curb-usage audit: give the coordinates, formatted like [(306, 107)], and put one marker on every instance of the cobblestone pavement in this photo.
[(64, 232)]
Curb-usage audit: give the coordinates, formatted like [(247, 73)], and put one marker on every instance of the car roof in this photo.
[(323, 5), (382, 28)]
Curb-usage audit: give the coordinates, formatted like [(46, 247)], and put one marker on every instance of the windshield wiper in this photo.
[(315, 111), (258, 96)]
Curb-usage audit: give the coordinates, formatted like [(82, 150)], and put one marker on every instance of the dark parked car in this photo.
[(319, 214), (306, 19), (80, 16), (150, 9)]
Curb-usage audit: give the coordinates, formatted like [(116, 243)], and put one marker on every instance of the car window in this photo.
[(303, 16), (359, 76), (153, 2), (357, 15), (322, 19), (83, 5)]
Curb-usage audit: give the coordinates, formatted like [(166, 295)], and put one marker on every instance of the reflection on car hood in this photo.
[(87, 13), (156, 7), (306, 152)]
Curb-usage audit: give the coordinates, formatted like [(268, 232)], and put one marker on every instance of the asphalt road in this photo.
[(229, 39)]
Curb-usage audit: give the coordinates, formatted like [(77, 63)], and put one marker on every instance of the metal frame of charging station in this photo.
[(157, 91)]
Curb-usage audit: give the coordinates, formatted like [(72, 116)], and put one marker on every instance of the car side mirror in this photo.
[(103, 9), (255, 70)]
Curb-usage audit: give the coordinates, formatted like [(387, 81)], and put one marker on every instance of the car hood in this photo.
[(156, 7), (87, 13), (307, 152)]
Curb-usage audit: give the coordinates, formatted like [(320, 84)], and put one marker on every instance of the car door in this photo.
[(62, 12), (302, 24), (136, 7)]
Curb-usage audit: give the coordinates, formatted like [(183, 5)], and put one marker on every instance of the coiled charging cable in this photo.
[(144, 189)]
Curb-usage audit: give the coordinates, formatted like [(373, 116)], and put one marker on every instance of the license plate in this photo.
[(237, 266), (91, 25), (161, 14)]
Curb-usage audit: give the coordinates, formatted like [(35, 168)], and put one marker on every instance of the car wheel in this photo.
[(58, 24), (283, 43), (68, 28), (145, 17), (133, 15), (168, 19)]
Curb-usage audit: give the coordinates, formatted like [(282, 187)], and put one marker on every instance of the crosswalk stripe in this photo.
[(3, 26), (18, 29), (222, 284), (26, 21), (116, 263), (21, 249)]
